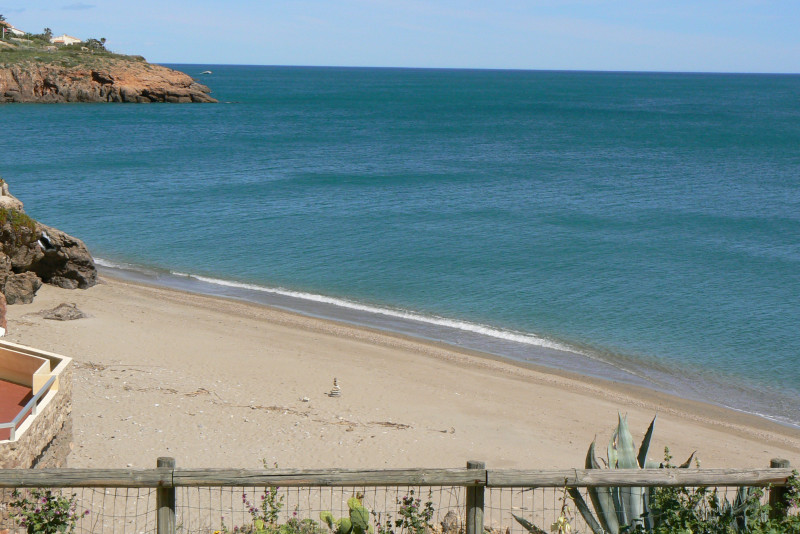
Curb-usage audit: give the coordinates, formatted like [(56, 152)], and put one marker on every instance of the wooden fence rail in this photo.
[(475, 478), (491, 478)]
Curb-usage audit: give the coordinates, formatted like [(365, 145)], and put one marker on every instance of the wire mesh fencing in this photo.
[(294, 510), (217, 506), (542, 507), (301, 510), (95, 510), (402, 510)]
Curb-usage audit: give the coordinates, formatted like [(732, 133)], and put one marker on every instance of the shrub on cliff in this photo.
[(41, 39), (96, 44), (23, 228)]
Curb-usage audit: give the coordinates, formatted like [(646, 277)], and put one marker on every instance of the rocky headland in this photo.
[(32, 253), (98, 79)]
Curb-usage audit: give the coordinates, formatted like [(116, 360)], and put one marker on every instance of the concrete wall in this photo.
[(23, 369), (47, 440)]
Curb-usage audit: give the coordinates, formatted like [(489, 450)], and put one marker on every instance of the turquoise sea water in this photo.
[(636, 226)]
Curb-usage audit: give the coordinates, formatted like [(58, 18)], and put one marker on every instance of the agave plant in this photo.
[(738, 514), (619, 509)]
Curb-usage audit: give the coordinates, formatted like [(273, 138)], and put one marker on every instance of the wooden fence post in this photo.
[(778, 494), (475, 496), (165, 501)]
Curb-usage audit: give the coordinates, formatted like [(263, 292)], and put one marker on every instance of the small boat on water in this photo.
[(206, 72)]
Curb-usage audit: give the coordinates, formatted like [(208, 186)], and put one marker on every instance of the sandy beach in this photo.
[(220, 383)]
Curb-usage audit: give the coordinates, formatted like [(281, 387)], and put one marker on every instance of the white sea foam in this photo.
[(117, 265), (453, 324), (484, 330), (131, 267)]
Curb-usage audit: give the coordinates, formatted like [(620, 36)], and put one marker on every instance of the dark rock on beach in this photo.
[(20, 288), (64, 260), (32, 253), (64, 312)]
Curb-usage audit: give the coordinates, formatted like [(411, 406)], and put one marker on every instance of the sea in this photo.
[(638, 227)]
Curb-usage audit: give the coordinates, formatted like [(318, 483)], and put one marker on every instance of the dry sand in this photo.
[(220, 383)]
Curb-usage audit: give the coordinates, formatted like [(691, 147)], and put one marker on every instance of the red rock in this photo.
[(113, 80)]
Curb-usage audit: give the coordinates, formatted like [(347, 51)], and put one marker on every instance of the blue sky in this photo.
[(677, 35)]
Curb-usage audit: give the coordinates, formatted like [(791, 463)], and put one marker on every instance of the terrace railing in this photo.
[(168, 499), (31, 407)]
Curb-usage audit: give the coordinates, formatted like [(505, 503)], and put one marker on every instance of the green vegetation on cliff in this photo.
[(36, 47), (35, 70), (17, 219), (20, 51)]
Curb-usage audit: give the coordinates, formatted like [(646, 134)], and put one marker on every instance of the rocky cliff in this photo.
[(32, 253), (109, 79)]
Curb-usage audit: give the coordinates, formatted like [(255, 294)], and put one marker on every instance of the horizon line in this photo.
[(490, 69)]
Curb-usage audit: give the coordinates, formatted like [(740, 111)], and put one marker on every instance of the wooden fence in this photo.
[(475, 478)]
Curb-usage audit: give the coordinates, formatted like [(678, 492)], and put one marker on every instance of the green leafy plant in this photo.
[(96, 44), (673, 510), (271, 502), (265, 515), (704, 510), (414, 517), (18, 220), (42, 511), (356, 523)]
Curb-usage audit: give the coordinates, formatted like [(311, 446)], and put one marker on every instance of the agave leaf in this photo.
[(688, 462), (649, 520), (626, 459), (743, 502), (530, 527), (612, 450), (727, 509), (740, 506), (645, 447), (619, 506), (580, 504), (601, 498), (591, 457), (613, 463), (631, 499)]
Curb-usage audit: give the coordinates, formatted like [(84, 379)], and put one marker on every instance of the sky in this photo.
[(635, 35)]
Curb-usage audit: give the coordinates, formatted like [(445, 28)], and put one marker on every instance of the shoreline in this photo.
[(143, 342), (516, 348)]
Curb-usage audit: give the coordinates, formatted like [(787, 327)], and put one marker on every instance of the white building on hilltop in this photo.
[(7, 28), (65, 40)]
